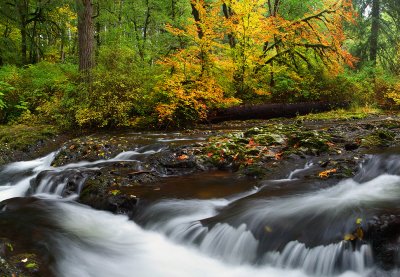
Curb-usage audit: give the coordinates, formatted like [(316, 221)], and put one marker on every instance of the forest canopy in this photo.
[(103, 63)]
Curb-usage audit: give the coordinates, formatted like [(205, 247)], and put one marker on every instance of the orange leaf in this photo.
[(183, 157), (249, 161), (330, 144), (325, 174), (252, 143), (278, 156)]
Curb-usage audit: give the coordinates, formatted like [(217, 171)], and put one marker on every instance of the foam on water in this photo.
[(177, 243), (110, 245)]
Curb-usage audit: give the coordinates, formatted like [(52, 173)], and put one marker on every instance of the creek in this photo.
[(209, 224)]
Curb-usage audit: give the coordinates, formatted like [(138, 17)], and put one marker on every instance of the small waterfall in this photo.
[(376, 165), (56, 182), (293, 174), (71, 177), (323, 260), (94, 243), (232, 245), (247, 234), (139, 153)]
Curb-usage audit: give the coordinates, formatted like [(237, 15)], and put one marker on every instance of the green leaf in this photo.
[(31, 265)]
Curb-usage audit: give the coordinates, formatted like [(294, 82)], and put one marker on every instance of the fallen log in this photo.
[(267, 111)]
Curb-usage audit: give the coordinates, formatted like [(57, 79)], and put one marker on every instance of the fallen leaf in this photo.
[(349, 237), (360, 233), (278, 156), (330, 144), (326, 173), (268, 229), (31, 265), (249, 161), (24, 260), (183, 157), (252, 143)]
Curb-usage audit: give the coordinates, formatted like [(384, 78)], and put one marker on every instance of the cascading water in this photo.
[(247, 234)]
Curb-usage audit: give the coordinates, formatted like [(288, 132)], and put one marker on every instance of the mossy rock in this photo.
[(91, 149), (255, 171), (28, 264), (309, 140), (270, 138), (381, 137)]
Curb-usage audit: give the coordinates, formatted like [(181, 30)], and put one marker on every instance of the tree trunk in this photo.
[(23, 7), (23, 44), (228, 13), (173, 9), (85, 35), (375, 14), (196, 16)]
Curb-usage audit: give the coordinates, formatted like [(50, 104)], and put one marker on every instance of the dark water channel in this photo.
[(205, 224)]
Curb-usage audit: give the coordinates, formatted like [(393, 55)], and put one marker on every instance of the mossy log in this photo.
[(267, 111)]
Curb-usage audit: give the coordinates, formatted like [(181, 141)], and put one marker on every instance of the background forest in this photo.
[(111, 63)]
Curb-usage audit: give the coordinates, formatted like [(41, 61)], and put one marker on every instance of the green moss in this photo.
[(314, 141), (21, 137), (381, 137), (342, 114), (254, 171), (263, 143)]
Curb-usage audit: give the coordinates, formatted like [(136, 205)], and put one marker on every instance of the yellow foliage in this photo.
[(393, 93), (202, 73), (65, 15)]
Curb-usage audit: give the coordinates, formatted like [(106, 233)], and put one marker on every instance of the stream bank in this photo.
[(241, 154)]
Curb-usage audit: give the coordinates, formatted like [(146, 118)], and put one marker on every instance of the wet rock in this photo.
[(174, 162), (6, 247), (28, 264), (65, 183), (92, 148), (25, 227), (122, 204), (351, 146), (113, 188), (378, 138), (383, 233)]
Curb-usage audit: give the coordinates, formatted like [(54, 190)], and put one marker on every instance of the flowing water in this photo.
[(286, 227)]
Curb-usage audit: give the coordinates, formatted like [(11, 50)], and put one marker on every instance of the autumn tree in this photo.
[(193, 83), (267, 42)]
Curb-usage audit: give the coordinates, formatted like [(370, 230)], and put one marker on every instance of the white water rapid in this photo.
[(233, 237)]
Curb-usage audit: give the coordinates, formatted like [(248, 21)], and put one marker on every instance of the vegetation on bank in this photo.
[(359, 112), (21, 137), (167, 64)]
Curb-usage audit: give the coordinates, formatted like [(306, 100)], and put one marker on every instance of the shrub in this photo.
[(26, 90), (117, 94), (319, 85)]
